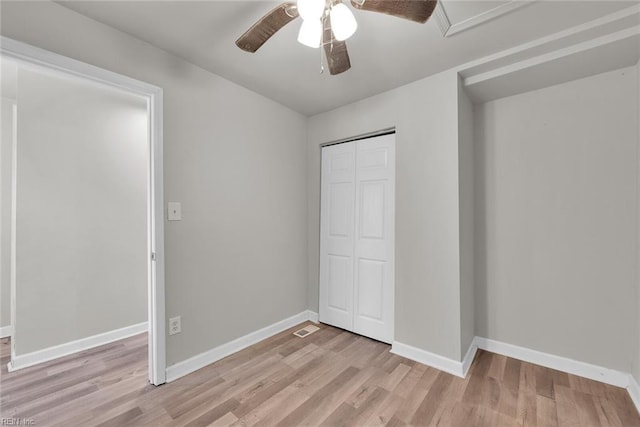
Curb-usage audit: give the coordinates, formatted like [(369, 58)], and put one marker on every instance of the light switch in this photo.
[(174, 211)]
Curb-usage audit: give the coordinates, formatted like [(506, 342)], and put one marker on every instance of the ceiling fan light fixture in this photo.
[(343, 23), (311, 33), (311, 9), (329, 23)]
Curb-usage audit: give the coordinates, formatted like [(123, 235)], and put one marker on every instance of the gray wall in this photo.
[(467, 218), (427, 233), (81, 211), (235, 160), (6, 140), (556, 262)]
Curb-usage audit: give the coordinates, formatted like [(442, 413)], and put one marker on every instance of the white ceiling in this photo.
[(459, 11), (386, 52)]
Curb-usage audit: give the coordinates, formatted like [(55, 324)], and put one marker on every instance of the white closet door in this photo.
[(374, 243), (337, 235), (357, 237)]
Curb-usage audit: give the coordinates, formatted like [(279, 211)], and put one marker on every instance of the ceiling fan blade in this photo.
[(267, 26), (413, 10), (335, 50)]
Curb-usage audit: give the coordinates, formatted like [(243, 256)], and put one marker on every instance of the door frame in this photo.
[(41, 58)]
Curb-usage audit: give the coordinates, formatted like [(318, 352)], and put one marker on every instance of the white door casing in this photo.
[(358, 236), (55, 63)]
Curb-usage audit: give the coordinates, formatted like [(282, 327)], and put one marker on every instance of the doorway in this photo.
[(79, 106)]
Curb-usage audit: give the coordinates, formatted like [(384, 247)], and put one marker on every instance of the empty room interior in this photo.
[(320, 212)]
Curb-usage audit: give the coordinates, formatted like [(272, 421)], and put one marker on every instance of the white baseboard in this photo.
[(587, 370), (192, 364), (425, 357), (468, 358), (634, 391), (47, 354), (451, 366), (6, 331), (313, 316)]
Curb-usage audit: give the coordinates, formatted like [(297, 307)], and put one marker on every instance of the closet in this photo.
[(357, 228)]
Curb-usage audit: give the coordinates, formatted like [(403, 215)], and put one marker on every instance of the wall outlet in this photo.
[(175, 326)]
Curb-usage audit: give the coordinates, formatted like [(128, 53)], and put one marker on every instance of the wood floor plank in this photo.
[(429, 406), (382, 358), (477, 378), (330, 377), (546, 414), (560, 378), (273, 410), (417, 395), (225, 420), (587, 412), (391, 381), (565, 406), (404, 388), (497, 367), (337, 396), (36, 406), (157, 417), (273, 388), (214, 414), (511, 375), (384, 412), (333, 367), (508, 404), (359, 396), (527, 402), (300, 357), (339, 342), (238, 383), (607, 413), (448, 402), (392, 363), (123, 418), (626, 410), (366, 408), (316, 399), (464, 414), (544, 382), (491, 392)]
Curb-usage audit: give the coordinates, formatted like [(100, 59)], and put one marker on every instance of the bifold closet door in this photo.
[(337, 210), (357, 236)]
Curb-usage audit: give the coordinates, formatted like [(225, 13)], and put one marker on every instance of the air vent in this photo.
[(307, 330)]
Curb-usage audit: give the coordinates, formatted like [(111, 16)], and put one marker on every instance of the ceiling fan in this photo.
[(329, 23)]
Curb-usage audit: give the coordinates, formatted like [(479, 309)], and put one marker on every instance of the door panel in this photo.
[(374, 245), (371, 214), (339, 208), (337, 235), (338, 282), (371, 289)]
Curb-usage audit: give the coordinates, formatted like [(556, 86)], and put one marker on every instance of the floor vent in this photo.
[(307, 330)]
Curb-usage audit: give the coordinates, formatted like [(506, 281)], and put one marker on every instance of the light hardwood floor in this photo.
[(330, 377)]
